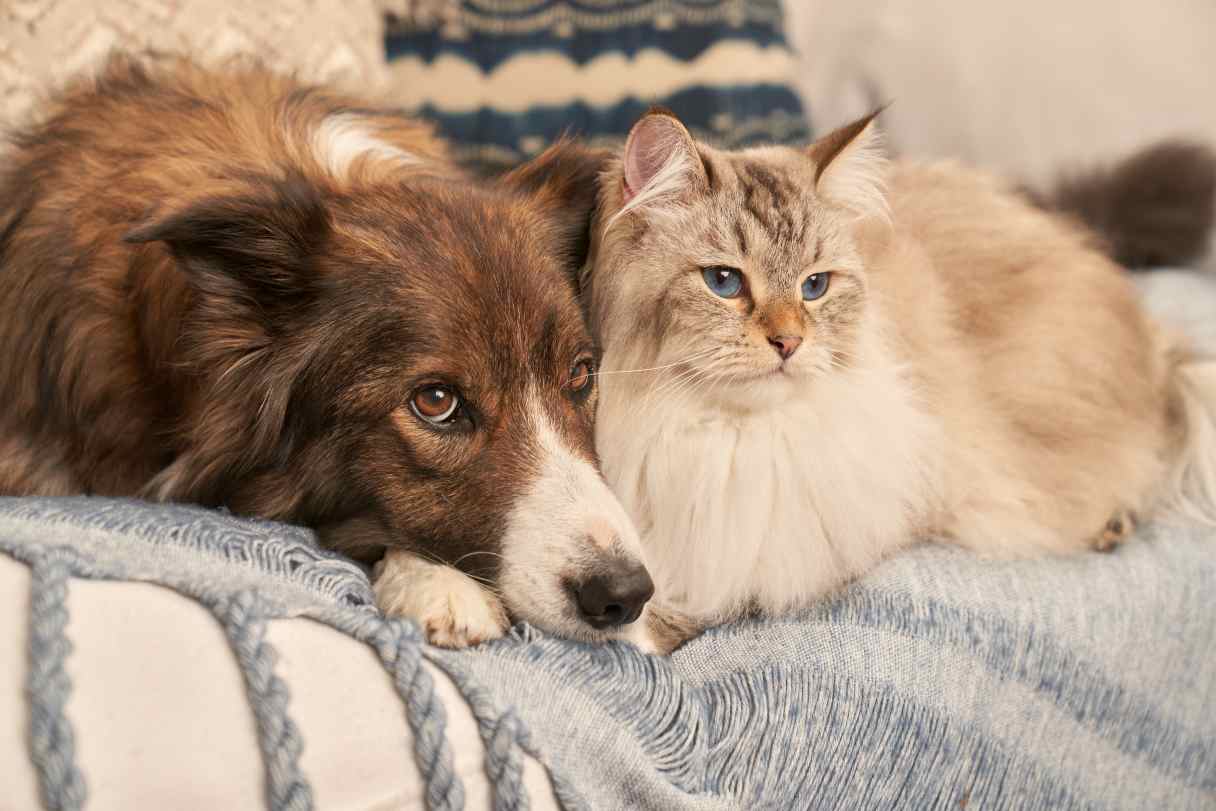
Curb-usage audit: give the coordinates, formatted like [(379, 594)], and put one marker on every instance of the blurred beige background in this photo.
[(43, 43), (1025, 87)]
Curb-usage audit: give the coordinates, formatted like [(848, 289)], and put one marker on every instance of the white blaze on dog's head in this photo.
[(572, 561), (342, 139)]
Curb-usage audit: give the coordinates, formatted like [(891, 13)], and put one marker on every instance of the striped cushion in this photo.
[(502, 78)]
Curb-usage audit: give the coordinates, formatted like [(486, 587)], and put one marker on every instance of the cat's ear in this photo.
[(850, 166), (661, 162)]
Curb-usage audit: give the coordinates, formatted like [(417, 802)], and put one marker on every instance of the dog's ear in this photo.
[(564, 181), (260, 238)]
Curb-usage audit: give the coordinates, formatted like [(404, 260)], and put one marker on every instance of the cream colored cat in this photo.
[(813, 358)]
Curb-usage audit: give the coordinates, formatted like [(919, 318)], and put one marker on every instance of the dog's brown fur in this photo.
[(206, 295)]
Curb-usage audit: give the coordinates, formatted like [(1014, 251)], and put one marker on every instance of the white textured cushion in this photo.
[(161, 720), (44, 42)]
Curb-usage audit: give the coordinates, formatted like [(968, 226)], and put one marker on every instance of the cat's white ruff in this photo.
[(777, 504)]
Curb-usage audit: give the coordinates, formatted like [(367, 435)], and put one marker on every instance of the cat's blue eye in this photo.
[(724, 282), (815, 286)]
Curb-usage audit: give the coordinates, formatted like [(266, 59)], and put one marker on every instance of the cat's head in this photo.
[(740, 268)]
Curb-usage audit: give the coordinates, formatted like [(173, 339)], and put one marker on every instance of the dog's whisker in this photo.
[(475, 553)]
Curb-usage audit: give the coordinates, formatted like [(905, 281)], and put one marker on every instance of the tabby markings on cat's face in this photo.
[(740, 269)]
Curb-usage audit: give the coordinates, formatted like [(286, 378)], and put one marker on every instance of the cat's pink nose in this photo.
[(785, 345)]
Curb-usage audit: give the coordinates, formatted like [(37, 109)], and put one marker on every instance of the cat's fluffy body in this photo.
[(977, 372)]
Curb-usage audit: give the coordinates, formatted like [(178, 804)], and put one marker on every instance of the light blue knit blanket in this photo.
[(940, 681)]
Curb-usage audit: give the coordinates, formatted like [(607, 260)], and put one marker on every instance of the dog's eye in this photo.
[(437, 405), (581, 377)]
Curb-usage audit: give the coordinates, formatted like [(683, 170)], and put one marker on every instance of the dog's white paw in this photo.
[(453, 610)]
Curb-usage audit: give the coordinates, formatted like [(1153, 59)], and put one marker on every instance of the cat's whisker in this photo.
[(703, 369), (665, 389), (690, 383), (703, 386), (658, 393), (662, 384), (695, 356), (841, 353)]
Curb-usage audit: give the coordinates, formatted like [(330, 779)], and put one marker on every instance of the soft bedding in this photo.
[(151, 652), (940, 681)]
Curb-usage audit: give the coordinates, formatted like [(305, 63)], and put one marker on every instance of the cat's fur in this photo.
[(977, 372), (1152, 209)]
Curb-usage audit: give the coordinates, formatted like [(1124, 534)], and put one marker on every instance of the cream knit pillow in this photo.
[(45, 42)]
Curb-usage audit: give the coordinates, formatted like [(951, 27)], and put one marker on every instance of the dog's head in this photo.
[(411, 354)]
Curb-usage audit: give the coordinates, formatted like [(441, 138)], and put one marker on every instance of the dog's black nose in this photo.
[(614, 595)]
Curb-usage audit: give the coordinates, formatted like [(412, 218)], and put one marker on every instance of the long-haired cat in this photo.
[(812, 358)]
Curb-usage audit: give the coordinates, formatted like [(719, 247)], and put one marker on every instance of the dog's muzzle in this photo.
[(613, 595)]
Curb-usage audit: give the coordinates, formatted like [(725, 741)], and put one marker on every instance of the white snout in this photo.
[(561, 532)]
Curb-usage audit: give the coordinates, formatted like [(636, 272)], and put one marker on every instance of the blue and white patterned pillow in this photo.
[(503, 78)]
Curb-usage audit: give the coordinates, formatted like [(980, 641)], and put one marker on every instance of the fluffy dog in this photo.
[(230, 289)]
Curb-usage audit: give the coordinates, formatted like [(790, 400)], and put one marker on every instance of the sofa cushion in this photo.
[(503, 79), (43, 43)]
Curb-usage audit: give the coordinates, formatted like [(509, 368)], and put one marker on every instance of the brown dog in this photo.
[(230, 289)]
